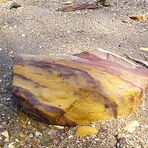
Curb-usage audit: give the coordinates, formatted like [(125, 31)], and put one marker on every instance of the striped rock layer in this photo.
[(77, 89)]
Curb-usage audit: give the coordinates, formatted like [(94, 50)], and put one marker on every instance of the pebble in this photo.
[(23, 35), (70, 136), (120, 136), (14, 5), (5, 146), (96, 139), (52, 132), (21, 135), (1, 49), (121, 140), (16, 140), (8, 99), (5, 134), (31, 135), (118, 145), (58, 127), (11, 52), (131, 126), (15, 26), (37, 134), (86, 130), (29, 122), (68, 2), (6, 140), (11, 145)]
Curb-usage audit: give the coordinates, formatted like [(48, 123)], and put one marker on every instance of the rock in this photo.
[(72, 6), (105, 3), (37, 134), (97, 139), (5, 134), (29, 122), (58, 127), (144, 49), (6, 140), (120, 136), (35, 143), (23, 35), (121, 140), (78, 89), (16, 140), (131, 126), (52, 133), (71, 136), (140, 17), (14, 5), (86, 130), (11, 145), (78, 6), (31, 135)]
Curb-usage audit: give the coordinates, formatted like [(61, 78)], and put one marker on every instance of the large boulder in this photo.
[(78, 89)]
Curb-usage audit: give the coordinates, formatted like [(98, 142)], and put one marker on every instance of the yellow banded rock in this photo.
[(77, 89)]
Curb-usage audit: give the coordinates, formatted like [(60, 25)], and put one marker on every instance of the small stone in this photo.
[(58, 127), (1, 49), (144, 49), (5, 134), (6, 140), (66, 129), (97, 139), (70, 137), (120, 136), (23, 35), (121, 140), (37, 134), (31, 135), (118, 145), (14, 5), (35, 142), (85, 130), (8, 99), (52, 133), (68, 31), (16, 140), (11, 52), (139, 17), (11, 145), (131, 126), (68, 2), (21, 135), (14, 26)]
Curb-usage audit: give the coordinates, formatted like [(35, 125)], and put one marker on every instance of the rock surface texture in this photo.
[(78, 89)]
